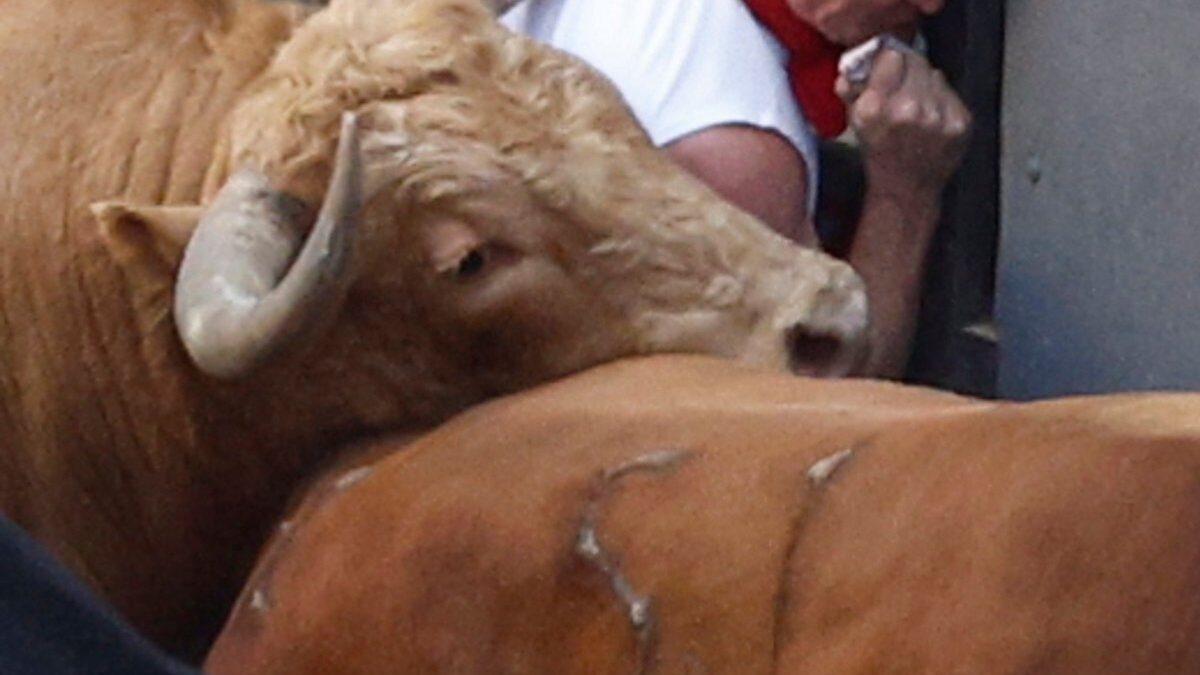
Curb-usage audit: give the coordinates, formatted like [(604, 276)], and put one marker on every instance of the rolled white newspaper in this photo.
[(855, 65)]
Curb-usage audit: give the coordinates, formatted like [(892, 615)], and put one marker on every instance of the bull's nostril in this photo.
[(811, 353)]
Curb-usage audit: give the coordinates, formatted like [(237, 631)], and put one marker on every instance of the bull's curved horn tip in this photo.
[(349, 122)]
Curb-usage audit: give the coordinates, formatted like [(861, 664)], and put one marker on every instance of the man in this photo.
[(710, 85)]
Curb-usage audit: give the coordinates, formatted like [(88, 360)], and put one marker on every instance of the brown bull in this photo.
[(683, 515), (494, 218)]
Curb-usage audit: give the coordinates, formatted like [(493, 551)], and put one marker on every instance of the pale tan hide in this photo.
[(517, 227), (684, 515)]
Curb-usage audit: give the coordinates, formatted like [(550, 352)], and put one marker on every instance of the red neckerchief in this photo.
[(812, 66)]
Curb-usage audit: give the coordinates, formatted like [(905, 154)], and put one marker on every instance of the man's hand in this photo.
[(912, 126), (913, 130)]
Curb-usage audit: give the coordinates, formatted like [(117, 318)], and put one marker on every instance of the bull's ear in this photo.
[(156, 234)]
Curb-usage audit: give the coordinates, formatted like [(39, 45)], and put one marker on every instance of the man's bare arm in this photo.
[(757, 170), (913, 130)]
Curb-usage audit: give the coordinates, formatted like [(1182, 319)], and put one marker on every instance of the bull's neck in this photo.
[(297, 413), (123, 104), (175, 122)]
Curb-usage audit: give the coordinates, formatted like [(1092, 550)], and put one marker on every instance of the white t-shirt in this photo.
[(683, 65)]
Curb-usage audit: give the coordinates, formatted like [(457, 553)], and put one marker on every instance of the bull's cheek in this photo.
[(524, 348), (703, 331)]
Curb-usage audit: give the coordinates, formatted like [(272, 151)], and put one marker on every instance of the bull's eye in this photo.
[(470, 264)]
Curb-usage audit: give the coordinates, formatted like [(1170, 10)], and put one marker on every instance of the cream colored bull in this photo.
[(391, 210)]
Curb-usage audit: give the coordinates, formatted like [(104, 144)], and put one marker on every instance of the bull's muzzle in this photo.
[(832, 340)]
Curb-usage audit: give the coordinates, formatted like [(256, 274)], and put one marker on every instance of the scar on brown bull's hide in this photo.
[(353, 476), (818, 475), (587, 546), (822, 470), (260, 600)]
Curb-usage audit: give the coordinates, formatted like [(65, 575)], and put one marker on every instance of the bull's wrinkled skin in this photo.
[(517, 226), (731, 522)]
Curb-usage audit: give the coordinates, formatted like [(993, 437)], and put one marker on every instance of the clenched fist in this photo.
[(912, 126)]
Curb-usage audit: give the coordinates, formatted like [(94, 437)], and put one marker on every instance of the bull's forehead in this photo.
[(530, 97), (525, 95), (431, 69), (453, 144)]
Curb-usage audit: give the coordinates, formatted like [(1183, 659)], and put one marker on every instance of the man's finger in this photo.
[(953, 115), (943, 98), (888, 71), (867, 110), (914, 101), (849, 91)]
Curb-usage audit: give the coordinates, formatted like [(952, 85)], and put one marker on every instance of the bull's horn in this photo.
[(236, 300)]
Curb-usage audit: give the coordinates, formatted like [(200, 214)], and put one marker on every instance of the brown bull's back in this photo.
[(677, 515)]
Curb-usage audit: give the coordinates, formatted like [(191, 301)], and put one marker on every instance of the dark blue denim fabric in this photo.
[(51, 624)]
